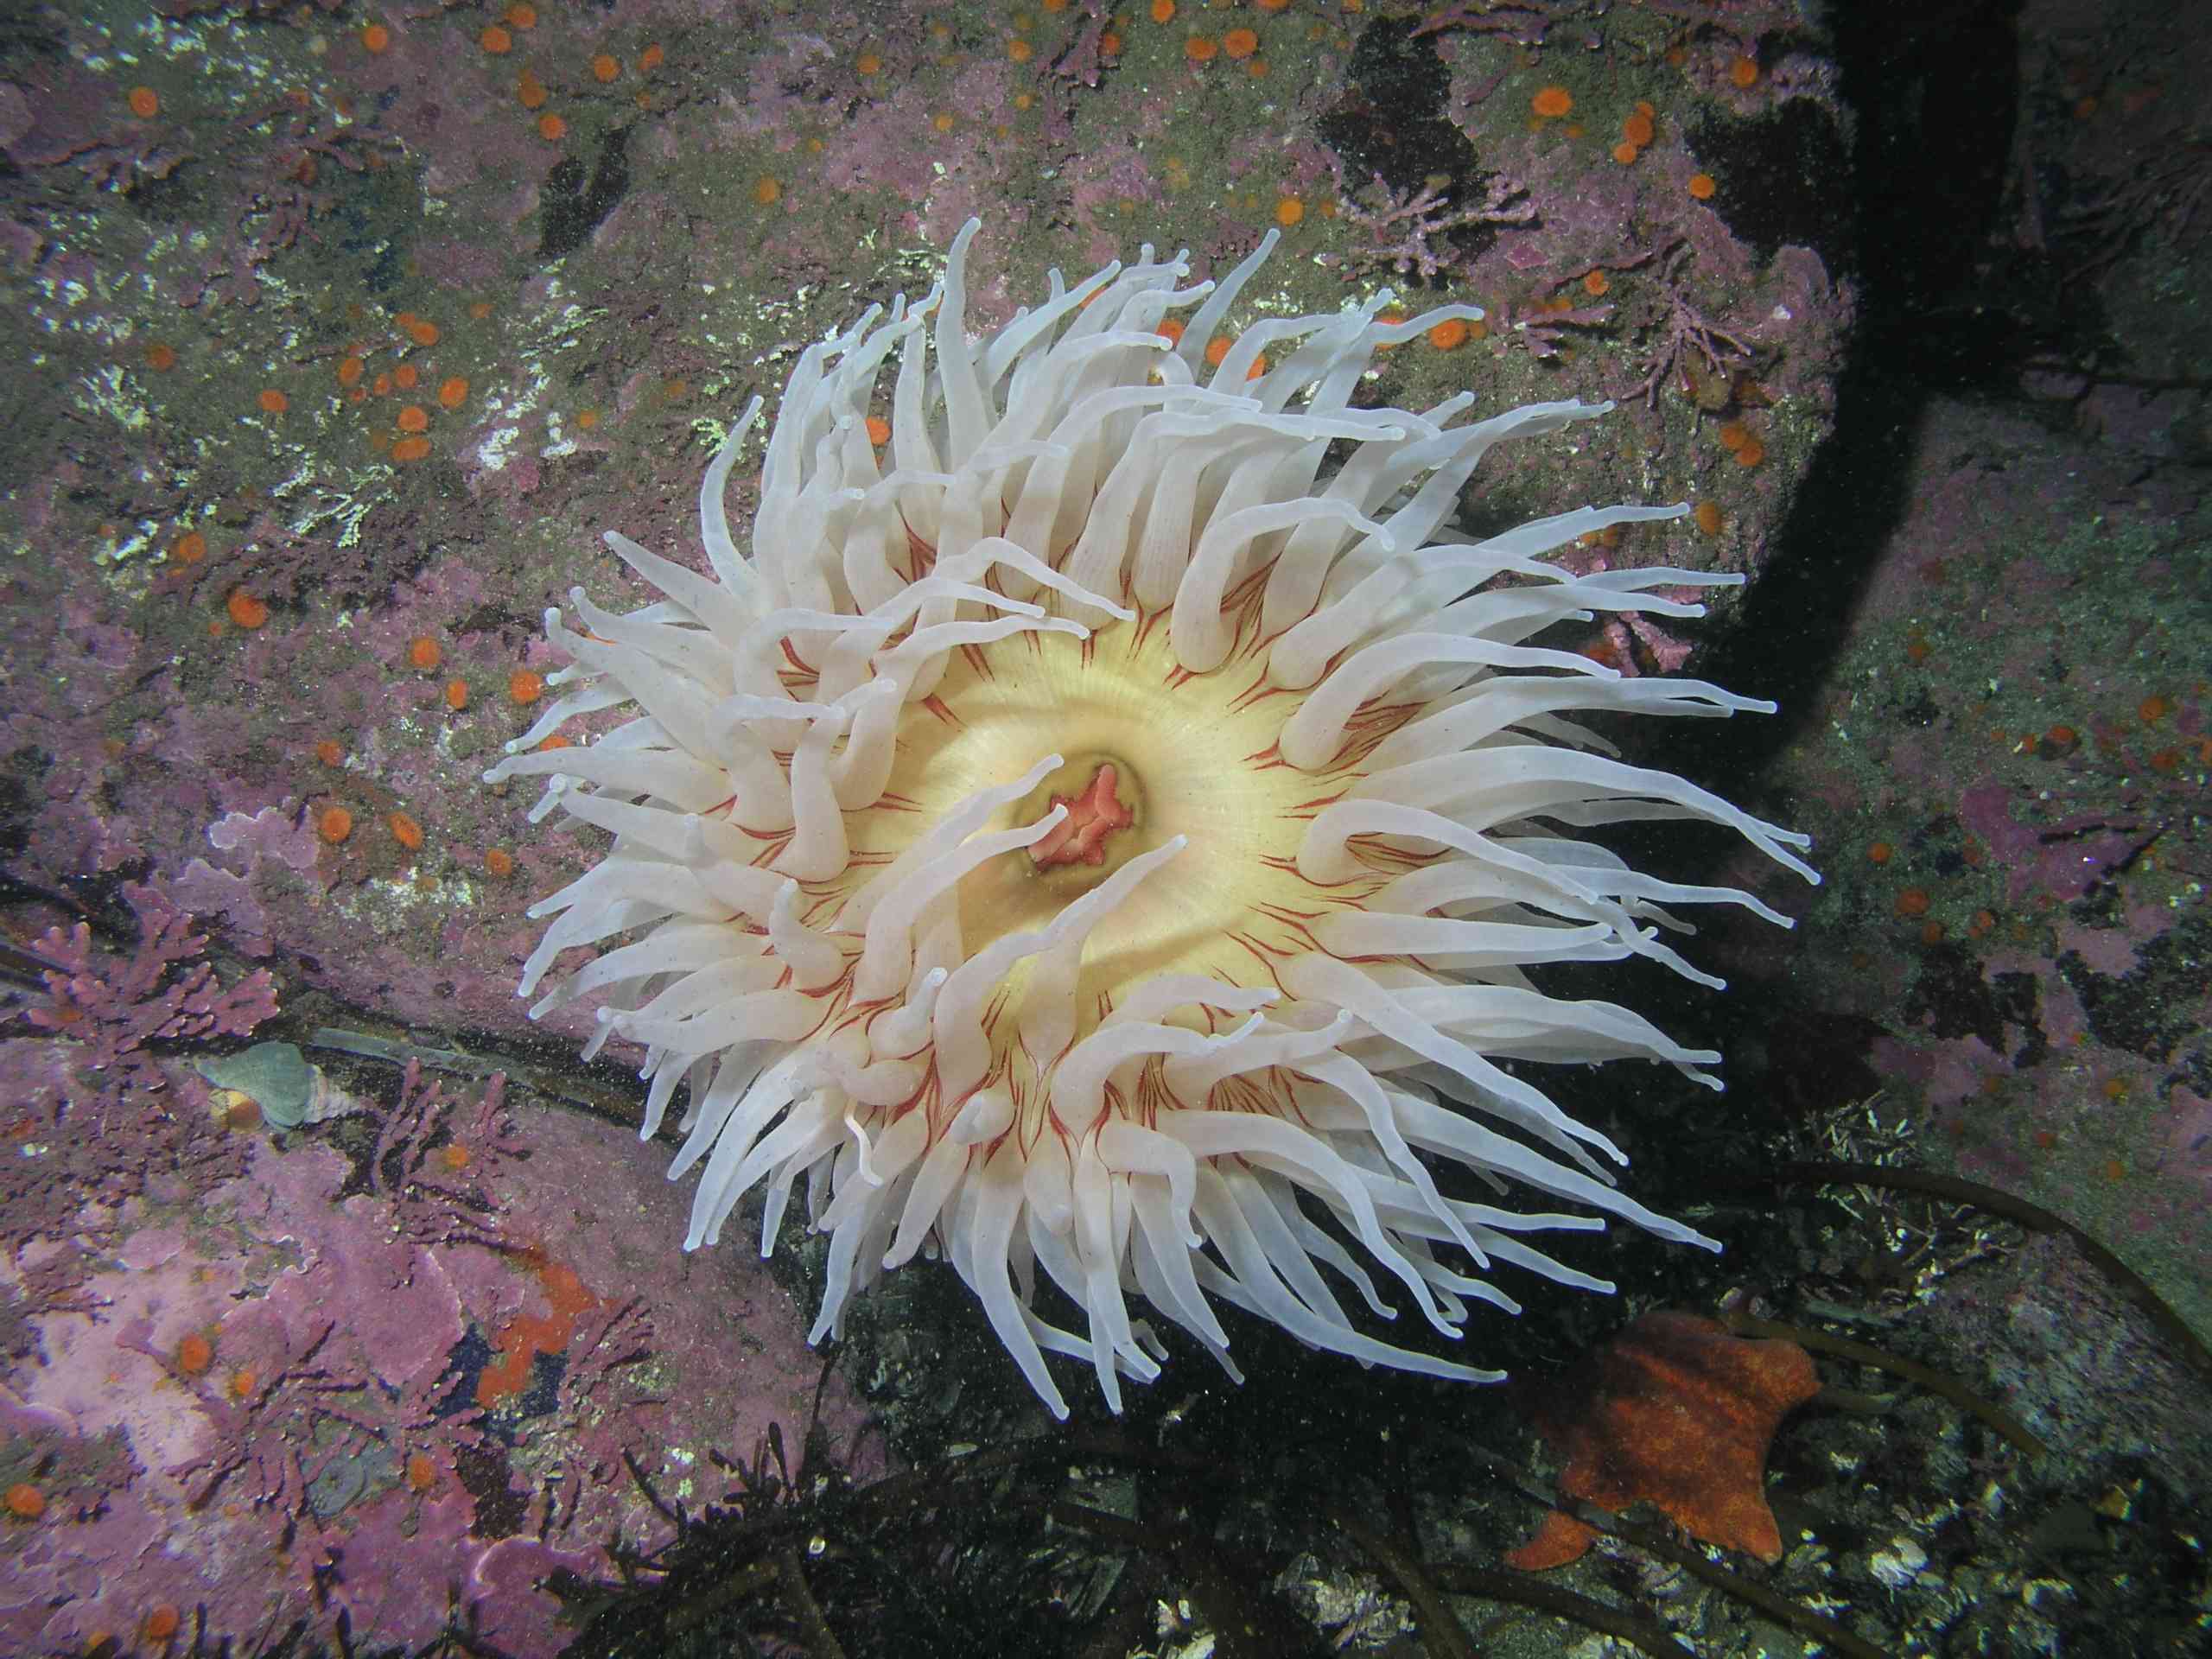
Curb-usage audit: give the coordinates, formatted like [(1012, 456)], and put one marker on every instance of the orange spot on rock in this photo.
[(529, 1335), (1675, 1412), (25, 1501)]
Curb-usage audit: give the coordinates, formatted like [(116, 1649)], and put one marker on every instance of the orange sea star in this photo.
[(1678, 1412)]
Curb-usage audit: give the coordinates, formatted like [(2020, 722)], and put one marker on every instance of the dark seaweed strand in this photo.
[(1744, 1325), (1998, 1202)]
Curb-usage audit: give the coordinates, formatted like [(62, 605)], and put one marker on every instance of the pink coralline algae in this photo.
[(90, 1108), (276, 1393), (285, 201), (1690, 344), (1524, 22), (2062, 857), (57, 112), (165, 992), (1402, 226)]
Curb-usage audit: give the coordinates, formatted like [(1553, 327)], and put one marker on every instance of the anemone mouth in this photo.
[(1191, 756), (1102, 840)]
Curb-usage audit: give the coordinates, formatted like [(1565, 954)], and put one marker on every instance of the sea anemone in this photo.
[(1110, 832)]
